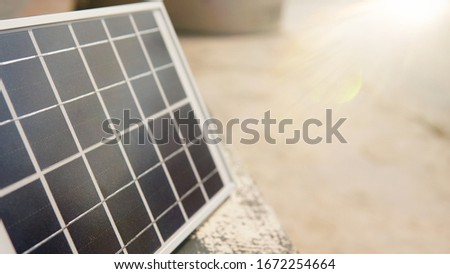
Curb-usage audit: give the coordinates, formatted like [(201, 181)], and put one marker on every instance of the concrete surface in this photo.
[(388, 189), (243, 224)]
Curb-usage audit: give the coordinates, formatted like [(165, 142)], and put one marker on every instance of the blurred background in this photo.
[(384, 65)]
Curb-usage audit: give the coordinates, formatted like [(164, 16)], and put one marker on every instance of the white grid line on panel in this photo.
[(162, 67), (74, 48), (31, 178), (205, 195), (94, 44), (166, 171), (149, 31), (163, 19), (166, 102), (148, 73), (138, 235), (17, 60), (38, 169), (122, 149), (212, 173), (64, 228), (88, 211), (49, 193), (127, 185), (17, 185), (207, 177), (191, 161), (91, 173), (69, 124)]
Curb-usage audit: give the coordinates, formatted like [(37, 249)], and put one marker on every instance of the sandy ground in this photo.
[(388, 189)]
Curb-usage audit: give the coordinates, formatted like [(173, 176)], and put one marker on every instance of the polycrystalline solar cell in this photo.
[(140, 151), (117, 99), (144, 21), (103, 64), (119, 26), (188, 123), (146, 242), (202, 158), (157, 191), (128, 212), (73, 194), (109, 168), (93, 233), (81, 168), (28, 216), (4, 112), (132, 56), (165, 134), (53, 38), (181, 172), (170, 222), (56, 245), (27, 85), (86, 115), (213, 185), (49, 137), (71, 81), (15, 45), (193, 201), (148, 94), (171, 85), (89, 31), (15, 161), (156, 48)]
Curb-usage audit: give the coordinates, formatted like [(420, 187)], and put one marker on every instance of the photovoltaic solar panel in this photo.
[(70, 184)]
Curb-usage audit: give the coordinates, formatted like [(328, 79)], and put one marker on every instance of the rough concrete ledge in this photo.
[(243, 224)]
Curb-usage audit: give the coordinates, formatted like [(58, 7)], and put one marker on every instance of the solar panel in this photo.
[(70, 184)]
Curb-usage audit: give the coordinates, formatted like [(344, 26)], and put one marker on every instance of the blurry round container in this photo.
[(224, 16)]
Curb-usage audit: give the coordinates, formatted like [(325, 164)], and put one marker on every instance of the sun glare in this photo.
[(414, 12)]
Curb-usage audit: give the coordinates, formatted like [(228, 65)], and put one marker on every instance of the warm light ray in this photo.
[(413, 12)]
